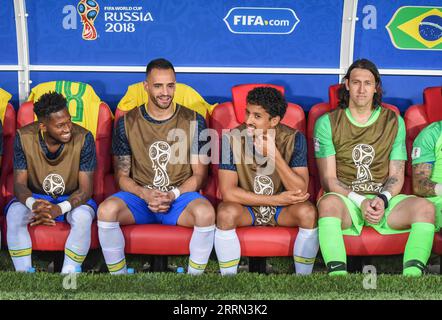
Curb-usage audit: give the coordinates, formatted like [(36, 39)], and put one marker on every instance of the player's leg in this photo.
[(112, 213), (198, 213), (79, 240), (19, 241), (228, 250), (334, 216), (419, 215), (303, 215)]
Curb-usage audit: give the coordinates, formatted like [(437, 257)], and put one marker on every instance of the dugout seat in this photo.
[(8, 119), (417, 117), (261, 241), (185, 95), (370, 242), (47, 238)]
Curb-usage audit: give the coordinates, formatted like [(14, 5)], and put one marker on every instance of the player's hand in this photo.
[(157, 201), (41, 215), (378, 206), (43, 218), (371, 210), (46, 207), (39, 203), (287, 198), (159, 208)]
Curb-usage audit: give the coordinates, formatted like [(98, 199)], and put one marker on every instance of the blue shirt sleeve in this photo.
[(120, 144), (19, 156), (88, 157), (299, 157), (226, 154)]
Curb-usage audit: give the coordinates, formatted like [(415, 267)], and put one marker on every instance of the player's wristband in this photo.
[(356, 198), (65, 206), (387, 194), (384, 198), (438, 189), (30, 202), (176, 192)]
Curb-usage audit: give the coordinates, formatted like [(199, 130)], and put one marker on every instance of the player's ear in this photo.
[(42, 126), (274, 121)]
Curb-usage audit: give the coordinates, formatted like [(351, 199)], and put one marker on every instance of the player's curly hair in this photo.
[(159, 63), (270, 99), (48, 103), (344, 95)]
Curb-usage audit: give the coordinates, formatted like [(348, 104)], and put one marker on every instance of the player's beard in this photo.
[(157, 102)]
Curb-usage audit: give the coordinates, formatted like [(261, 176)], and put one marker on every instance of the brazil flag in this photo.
[(416, 28)]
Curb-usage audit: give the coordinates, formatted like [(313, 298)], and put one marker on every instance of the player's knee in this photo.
[(17, 216), (203, 213), (108, 210), (82, 218), (330, 206), (227, 216), (425, 211), (307, 215)]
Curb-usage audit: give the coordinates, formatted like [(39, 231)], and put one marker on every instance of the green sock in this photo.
[(331, 242), (418, 248)]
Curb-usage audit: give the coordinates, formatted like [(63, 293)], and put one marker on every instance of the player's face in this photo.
[(362, 87), (160, 86), (58, 126), (258, 118)]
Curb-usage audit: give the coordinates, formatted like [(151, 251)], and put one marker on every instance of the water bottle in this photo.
[(180, 270), (130, 270)]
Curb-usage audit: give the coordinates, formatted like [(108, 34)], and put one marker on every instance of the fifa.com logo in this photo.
[(260, 20), (250, 147)]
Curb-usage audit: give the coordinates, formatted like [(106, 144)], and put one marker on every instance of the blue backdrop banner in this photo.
[(277, 33)]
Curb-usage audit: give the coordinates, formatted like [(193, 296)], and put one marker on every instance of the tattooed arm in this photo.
[(395, 179), (122, 165), (422, 184), (328, 177)]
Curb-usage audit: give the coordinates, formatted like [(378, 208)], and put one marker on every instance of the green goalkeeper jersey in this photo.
[(427, 148)]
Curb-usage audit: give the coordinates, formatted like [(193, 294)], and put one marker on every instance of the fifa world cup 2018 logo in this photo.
[(264, 185), (88, 11), (363, 155), (53, 185), (159, 153)]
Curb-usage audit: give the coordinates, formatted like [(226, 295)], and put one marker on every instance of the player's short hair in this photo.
[(268, 98), (49, 103), (159, 63), (344, 95)]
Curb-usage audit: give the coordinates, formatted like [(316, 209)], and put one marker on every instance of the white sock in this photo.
[(228, 251), (305, 250), (79, 240), (19, 240), (200, 247), (112, 243)]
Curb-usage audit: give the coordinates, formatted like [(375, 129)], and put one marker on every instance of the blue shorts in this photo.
[(278, 211), (61, 218), (143, 215)]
